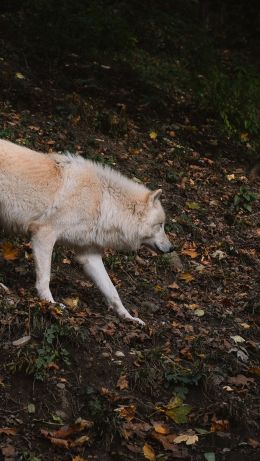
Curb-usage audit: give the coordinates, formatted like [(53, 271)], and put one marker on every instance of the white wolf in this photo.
[(67, 199)]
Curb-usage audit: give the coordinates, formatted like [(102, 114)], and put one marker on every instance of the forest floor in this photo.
[(85, 385)]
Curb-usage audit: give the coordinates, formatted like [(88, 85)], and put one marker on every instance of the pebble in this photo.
[(119, 354), (61, 386)]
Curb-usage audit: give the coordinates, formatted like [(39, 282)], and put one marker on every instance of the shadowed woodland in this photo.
[(167, 93)]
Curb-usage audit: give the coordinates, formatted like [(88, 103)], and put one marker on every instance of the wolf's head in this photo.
[(153, 234)]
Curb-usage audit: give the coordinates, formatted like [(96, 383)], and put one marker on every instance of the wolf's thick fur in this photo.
[(75, 201)]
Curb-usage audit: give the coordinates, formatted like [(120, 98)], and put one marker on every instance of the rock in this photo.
[(61, 386), (119, 354), (174, 261)]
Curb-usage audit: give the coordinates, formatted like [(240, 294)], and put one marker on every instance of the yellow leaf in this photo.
[(126, 411), (189, 439), (191, 252), (20, 76), (71, 302), (153, 135), (192, 205), (186, 277), (149, 452), (10, 253), (244, 137), (122, 383), (230, 177), (161, 428)]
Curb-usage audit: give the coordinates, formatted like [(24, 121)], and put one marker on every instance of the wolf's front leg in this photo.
[(95, 269)]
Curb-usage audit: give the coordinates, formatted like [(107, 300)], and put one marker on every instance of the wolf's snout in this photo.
[(171, 248)]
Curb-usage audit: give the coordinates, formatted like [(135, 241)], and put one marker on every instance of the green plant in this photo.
[(51, 351), (243, 199)]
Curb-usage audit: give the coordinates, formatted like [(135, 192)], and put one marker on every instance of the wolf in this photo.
[(67, 199)]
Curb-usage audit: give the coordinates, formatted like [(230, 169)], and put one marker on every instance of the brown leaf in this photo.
[(167, 442), (219, 425), (254, 370), (149, 452), (240, 380), (80, 441), (126, 411), (122, 383), (8, 452), (10, 253), (191, 252), (161, 428), (253, 443), (8, 430), (186, 277)]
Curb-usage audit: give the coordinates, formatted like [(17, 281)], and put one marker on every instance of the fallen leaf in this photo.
[(253, 443), (20, 76), (192, 205), (244, 137), (31, 408), (189, 439), (191, 252), (153, 135), (149, 452), (10, 253), (71, 302), (161, 428), (80, 441), (176, 410), (219, 425), (21, 341), (245, 326), (122, 383), (174, 286), (186, 277), (240, 380), (219, 254), (9, 453), (231, 177), (8, 430), (126, 411), (254, 371), (237, 339)]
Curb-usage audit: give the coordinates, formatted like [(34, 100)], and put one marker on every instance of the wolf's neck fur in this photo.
[(123, 206)]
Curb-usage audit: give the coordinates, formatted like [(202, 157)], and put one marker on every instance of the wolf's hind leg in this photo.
[(43, 241), (95, 269)]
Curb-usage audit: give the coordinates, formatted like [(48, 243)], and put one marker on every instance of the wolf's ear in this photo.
[(154, 196)]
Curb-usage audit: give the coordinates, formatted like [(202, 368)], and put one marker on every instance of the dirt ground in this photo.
[(187, 385)]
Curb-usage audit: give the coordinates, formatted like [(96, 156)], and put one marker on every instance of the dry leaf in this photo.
[(240, 380), (122, 383), (161, 428), (189, 439), (149, 452), (219, 425), (71, 302), (8, 430), (21, 341), (10, 253), (20, 76), (78, 458), (237, 339), (191, 252), (153, 135), (186, 277), (126, 411)]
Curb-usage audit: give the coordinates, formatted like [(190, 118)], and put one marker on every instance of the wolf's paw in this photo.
[(137, 320)]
